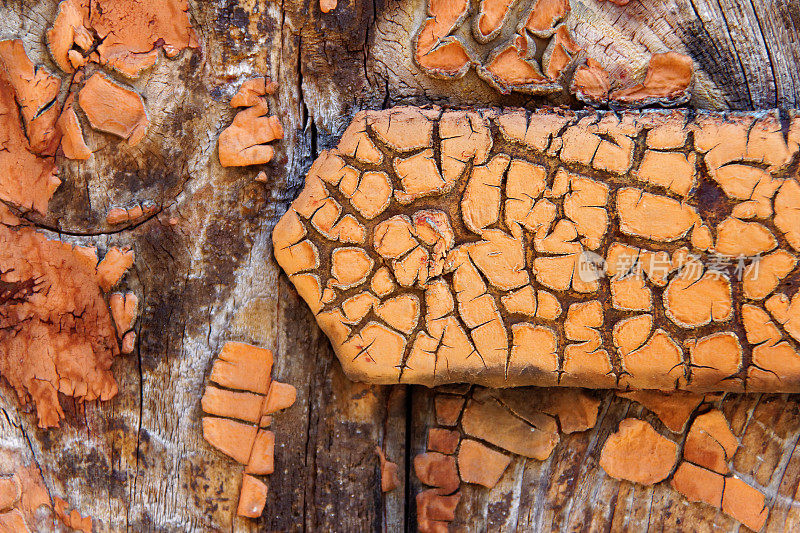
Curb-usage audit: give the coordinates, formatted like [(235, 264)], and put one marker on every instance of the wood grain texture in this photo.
[(139, 461)]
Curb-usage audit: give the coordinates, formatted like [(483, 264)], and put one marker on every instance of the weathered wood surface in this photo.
[(139, 462)]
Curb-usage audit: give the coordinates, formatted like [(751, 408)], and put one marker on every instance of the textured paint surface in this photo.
[(652, 250)]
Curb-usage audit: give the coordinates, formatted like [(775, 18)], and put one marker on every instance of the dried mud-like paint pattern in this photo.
[(522, 47), (646, 250), (696, 466), (482, 427), (241, 402), (27, 503), (527, 47), (28, 173), (56, 331), (123, 35)]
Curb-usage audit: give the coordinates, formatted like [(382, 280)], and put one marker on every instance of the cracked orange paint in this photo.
[(238, 411), (576, 261)]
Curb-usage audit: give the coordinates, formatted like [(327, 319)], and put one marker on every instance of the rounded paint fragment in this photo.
[(637, 453), (113, 109)]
